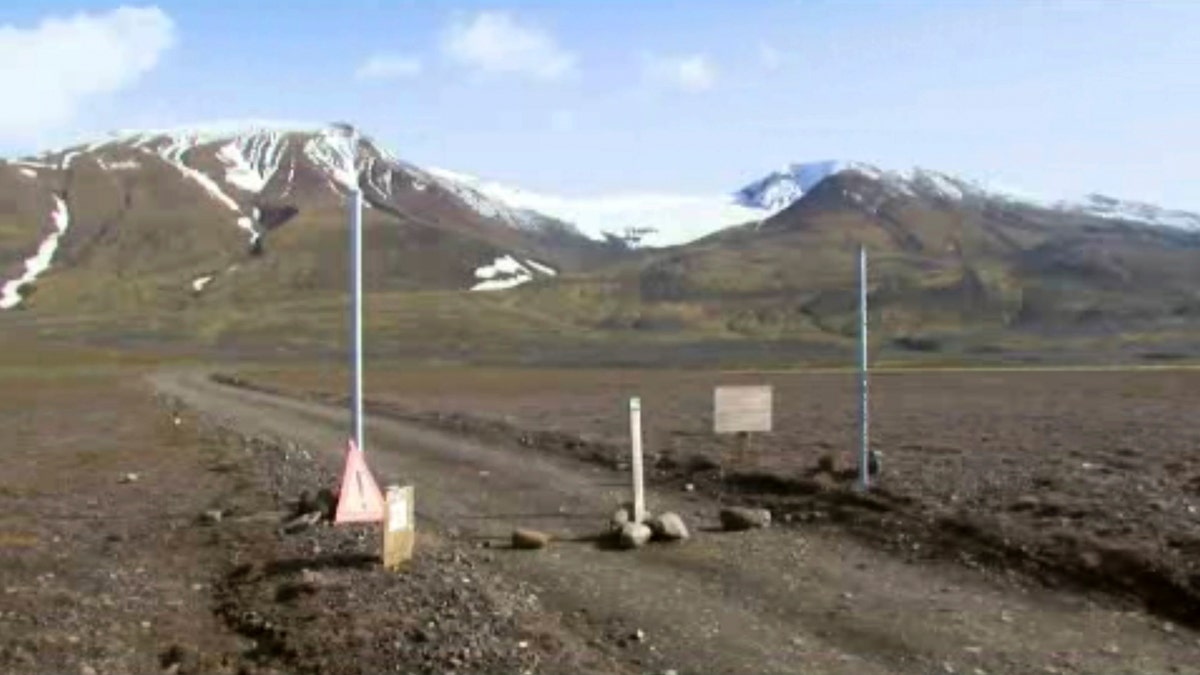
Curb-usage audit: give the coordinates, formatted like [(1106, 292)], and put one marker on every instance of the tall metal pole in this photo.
[(864, 451), (356, 311)]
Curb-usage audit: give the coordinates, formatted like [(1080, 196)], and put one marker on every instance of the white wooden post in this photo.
[(635, 435)]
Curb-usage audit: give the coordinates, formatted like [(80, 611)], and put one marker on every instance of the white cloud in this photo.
[(691, 73), (770, 57), (50, 71), (496, 43), (388, 67)]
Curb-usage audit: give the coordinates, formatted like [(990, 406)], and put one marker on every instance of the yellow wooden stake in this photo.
[(399, 526)]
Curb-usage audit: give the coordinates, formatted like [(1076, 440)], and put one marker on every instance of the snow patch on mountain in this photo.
[(173, 154), (200, 134), (333, 150), (121, 165), (476, 195), (251, 161), (780, 189), (507, 272), (378, 175), (541, 268), (174, 151), (39, 262), (27, 172), (646, 219), (199, 283)]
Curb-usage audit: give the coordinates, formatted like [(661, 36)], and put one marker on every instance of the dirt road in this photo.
[(771, 601)]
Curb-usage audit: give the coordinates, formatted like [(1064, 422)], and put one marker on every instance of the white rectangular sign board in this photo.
[(741, 409)]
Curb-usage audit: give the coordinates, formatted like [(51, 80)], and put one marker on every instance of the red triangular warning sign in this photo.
[(360, 500)]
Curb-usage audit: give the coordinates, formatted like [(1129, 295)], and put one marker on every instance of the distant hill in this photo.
[(236, 235)]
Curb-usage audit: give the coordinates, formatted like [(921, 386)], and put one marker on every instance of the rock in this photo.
[(668, 527), (634, 535), (529, 540), (688, 487), (85, 669), (638, 635), (301, 522), (739, 518), (129, 478), (212, 516), (620, 518), (826, 463)]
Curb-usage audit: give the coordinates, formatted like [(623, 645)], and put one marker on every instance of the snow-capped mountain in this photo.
[(253, 157), (189, 201), (658, 219), (782, 188), (128, 196)]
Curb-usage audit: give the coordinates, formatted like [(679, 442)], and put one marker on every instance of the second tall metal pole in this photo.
[(356, 317), (864, 409)]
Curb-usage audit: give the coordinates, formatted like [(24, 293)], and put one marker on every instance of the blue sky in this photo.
[(599, 96)]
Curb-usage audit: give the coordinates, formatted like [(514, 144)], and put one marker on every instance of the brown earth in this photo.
[(107, 564), (1080, 479), (102, 573), (779, 600)]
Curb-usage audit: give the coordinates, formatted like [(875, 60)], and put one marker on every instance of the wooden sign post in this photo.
[(399, 526), (635, 439), (742, 410)]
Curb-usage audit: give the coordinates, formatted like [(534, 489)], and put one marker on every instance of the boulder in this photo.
[(622, 516), (668, 527), (739, 518), (634, 535), (529, 540)]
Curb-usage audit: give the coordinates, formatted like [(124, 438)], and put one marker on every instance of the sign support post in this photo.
[(359, 500), (356, 312)]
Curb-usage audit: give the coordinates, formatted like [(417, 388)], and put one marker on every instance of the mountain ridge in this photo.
[(236, 236), (639, 219)]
